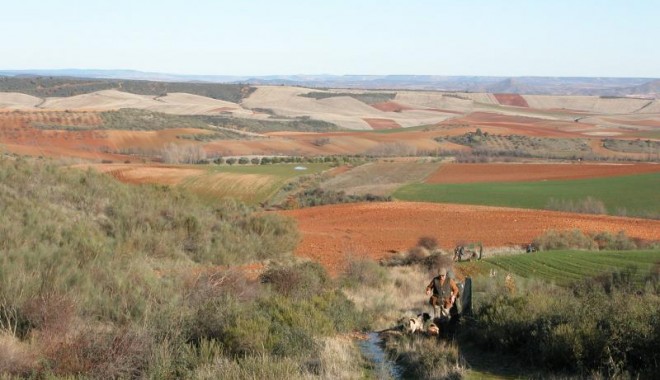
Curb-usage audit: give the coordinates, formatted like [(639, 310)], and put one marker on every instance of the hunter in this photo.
[(443, 292)]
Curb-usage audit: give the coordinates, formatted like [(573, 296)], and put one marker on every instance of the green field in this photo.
[(566, 267), (637, 194), (249, 183)]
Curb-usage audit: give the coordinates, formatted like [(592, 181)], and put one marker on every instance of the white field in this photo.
[(586, 103), (433, 100), (341, 110), (175, 103), (652, 108), (426, 106), (14, 100)]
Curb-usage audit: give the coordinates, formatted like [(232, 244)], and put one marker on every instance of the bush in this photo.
[(428, 242), (300, 281), (588, 205), (605, 325), (575, 239), (364, 272)]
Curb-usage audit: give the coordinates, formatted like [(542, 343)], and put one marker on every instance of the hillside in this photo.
[(528, 85), (42, 86)]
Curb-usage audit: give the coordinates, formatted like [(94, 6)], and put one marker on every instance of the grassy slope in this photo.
[(636, 193), (565, 267)]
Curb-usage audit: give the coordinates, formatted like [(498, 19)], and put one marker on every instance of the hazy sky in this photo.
[(438, 37)]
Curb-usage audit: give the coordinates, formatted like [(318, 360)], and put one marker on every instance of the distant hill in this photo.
[(152, 83), (59, 86)]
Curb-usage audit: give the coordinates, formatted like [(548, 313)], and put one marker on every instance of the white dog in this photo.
[(416, 324)]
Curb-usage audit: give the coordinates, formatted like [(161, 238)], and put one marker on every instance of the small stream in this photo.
[(372, 349)]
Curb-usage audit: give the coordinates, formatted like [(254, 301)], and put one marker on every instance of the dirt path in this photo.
[(334, 234)]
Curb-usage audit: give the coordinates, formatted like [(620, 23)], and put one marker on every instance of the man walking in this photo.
[(443, 292)]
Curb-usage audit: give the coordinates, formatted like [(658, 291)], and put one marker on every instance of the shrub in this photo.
[(300, 281), (588, 205), (424, 358), (364, 272), (428, 242), (574, 239), (605, 325)]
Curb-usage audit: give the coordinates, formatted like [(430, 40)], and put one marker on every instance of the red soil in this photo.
[(471, 173), (334, 234), (377, 124), (391, 106), (511, 100), (18, 134)]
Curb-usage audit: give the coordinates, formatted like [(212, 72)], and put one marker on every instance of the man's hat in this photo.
[(442, 272)]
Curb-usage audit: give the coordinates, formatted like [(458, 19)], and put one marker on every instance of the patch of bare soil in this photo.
[(511, 100), (377, 123), (36, 133), (335, 234), (391, 106), (147, 173), (472, 173)]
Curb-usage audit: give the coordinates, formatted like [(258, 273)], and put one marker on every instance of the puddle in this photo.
[(372, 349)]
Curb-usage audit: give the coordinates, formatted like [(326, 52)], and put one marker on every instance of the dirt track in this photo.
[(332, 234)]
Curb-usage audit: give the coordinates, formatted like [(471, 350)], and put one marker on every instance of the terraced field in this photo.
[(566, 267)]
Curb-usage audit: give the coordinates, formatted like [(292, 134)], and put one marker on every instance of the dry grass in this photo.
[(16, 357), (403, 295), (380, 178)]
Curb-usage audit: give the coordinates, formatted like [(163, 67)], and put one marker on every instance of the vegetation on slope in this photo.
[(487, 144), (367, 97), (65, 86), (301, 124), (102, 279), (144, 120), (605, 324)]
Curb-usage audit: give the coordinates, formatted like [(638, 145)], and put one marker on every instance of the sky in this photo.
[(593, 38)]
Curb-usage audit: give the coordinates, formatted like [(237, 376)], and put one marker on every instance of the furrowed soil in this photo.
[(335, 234), (473, 173)]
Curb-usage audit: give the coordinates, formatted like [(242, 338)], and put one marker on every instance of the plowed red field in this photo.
[(472, 173), (511, 100), (377, 124), (334, 234)]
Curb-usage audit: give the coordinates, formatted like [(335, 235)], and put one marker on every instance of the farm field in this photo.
[(249, 183), (334, 234), (631, 195), (516, 172), (380, 178), (566, 267)]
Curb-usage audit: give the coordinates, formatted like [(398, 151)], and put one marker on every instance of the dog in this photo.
[(433, 329), (416, 324)]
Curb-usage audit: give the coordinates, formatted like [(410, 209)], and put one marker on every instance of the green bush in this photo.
[(576, 239), (606, 325), (364, 272), (301, 281)]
